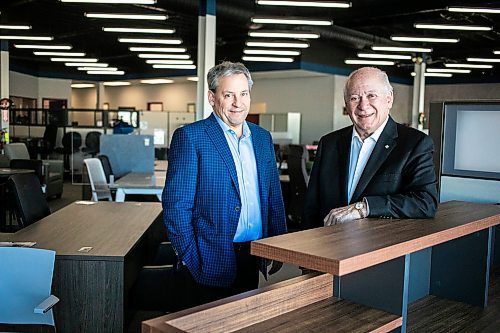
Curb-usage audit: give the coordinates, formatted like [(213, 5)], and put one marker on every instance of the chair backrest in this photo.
[(25, 281), (49, 137), (97, 178), (17, 151), (296, 161), (29, 199), (106, 166), (35, 165), (92, 142), (4, 161), (72, 141)]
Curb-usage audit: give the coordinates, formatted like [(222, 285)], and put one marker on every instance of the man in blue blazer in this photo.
[(222, 191), (375, 168)]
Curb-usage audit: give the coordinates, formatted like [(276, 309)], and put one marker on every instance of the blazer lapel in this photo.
[(216, 134), (385, 144)]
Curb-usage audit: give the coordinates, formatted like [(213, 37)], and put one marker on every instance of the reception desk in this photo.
[(375, 265)]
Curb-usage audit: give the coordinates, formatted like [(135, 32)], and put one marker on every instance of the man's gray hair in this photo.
[(227, 68), (381, 74)]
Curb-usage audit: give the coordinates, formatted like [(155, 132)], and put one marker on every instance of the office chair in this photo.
[(97, 178), (46, 145), (92, 143), (106, 165), (29, 200), (25, 285), (71, 143), (35, 165), (297, 157)]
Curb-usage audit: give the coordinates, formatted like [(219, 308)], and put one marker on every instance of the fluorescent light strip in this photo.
[(401, 49), (290, 21), (467, 66), (82, 85), (140, 30), (384, 56), (26, 37), (424, 39), (157, 49), (474, 10), (434, 74), (452, 27), (496, 52), (272, 52), (170, 62), (80, 64), (163, 56), (60, 54), (15, 27), (157, 81), (368, 62), (150, 41), (271, 34), (116, 83), (106, 72), (484, 59), (175, 66), (132, 2), (91, 67), (127, 16), (74, 59), (267, 59), (192, 78), (43, 47), (324, 4), (298, 45), (448, 70)]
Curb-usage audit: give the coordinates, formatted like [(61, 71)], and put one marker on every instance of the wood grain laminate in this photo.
[(141, 180), (346, 248)]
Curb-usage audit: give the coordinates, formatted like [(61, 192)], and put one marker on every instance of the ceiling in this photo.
[(365, 23)]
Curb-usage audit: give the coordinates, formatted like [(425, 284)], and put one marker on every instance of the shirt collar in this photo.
[(226, 128), (375, 135)]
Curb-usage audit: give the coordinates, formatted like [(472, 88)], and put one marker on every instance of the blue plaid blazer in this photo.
[(201, 201)]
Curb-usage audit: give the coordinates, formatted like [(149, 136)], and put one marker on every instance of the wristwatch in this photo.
[(361, 208)]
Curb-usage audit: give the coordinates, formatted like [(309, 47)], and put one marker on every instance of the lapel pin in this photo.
[(386, 146)]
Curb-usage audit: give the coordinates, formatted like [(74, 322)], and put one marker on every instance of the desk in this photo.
[(139, 183), (93, 286), (161, 165)]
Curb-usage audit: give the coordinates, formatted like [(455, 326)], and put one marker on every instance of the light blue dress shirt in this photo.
[(360, 153), (250, 222)]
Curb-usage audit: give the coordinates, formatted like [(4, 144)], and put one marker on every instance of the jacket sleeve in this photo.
[(418, 195), (178, 198)]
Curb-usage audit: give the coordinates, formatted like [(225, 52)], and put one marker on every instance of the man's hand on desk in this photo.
[(346, 214), (275, 266)]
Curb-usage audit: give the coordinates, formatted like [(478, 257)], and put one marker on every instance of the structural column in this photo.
[(418, 91), (4, 81), (206, 54)]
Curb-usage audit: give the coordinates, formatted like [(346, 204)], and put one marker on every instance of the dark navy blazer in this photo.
[(201, 200)]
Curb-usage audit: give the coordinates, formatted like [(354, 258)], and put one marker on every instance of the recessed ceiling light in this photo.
[(74, 59), (82, 85), (484, 59), (116, 83), (91, 67), (474, 10), (283, 34), (172, 41), (467, 66), (298, 45), (106, 72), (132, 2), (43, 47), (79, 64), (169, 62), (448, 70), (26, 37), (157, 49), (401, 49), (163, 56), (193, 78), (15, 27), (140, 30), (384, 56), (296, 21), (157, 17), (175, 66), (157, 81), (267, 59), (368, 62), (424, 39), (327, 4), (452, 27), (272, 52), (59, 54)]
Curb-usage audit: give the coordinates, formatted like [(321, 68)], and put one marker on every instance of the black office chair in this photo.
[(46, 145), (92, 143), (106, 165), (296, 161), (71, 143), (35, 165), (29, 200)]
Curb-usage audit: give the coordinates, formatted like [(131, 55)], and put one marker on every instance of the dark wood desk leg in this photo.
[(460, 268), (384, 286)]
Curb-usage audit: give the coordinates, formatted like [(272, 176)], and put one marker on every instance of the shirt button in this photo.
[(236, 209)]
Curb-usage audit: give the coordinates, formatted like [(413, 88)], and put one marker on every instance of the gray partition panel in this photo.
[(129, 153)]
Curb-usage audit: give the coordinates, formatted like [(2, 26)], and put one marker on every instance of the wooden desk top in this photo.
[(346, 248), (161, 165), (141, 180), (111, 229)]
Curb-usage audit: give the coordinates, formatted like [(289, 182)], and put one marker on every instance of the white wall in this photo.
[(23, 85)]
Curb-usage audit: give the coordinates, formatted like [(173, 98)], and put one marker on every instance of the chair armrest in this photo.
[(55, 165), (46, 305)]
